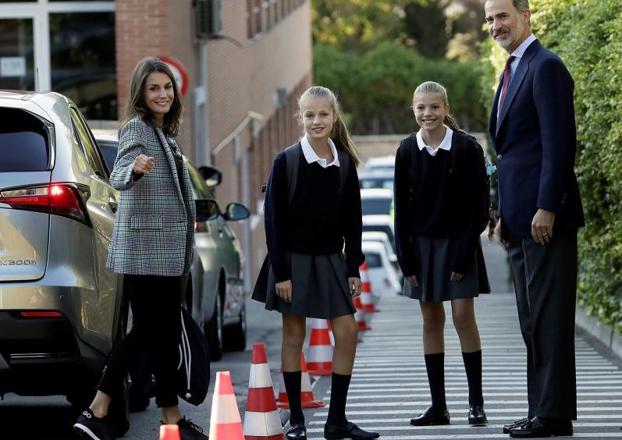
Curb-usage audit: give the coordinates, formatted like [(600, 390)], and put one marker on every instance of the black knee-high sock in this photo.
[(292, 386), (473, 367), (338, 397), (435, 366)]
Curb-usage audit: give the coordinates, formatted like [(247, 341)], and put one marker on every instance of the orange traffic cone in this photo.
[(225, 422), (367, 299), (306, 393), (359, 316), (169, 432), (261, 421), (320, 351)]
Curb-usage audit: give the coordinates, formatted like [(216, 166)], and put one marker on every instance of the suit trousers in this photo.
[(545, 282), (156, 329)]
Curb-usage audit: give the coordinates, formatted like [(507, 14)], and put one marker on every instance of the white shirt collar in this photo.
[(311, 156), (520, 50), (444, 145)]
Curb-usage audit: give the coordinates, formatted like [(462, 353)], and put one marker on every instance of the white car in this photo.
[(382, 275), (383, 238), (377, 201), (380, 163), (381, 223)]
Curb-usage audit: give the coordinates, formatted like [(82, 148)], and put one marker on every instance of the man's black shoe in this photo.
[(477, 416), (349, 430), (296, 432), (90, 427), (189, 430), (541, 427), (430, 417), (515, 424)]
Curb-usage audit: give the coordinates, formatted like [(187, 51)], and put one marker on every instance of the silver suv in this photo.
[(61, 310)]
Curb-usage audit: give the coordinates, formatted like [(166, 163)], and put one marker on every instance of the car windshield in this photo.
[(109, 151), (376, 206), (373, 259), (376, 182)]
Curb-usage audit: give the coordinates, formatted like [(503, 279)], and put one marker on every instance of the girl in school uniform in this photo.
[(441, 207), (309, 275)]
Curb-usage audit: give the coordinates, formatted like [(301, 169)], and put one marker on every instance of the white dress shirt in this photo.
[(444, 145), (311, 156)]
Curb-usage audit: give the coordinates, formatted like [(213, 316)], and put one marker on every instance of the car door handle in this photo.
[(114, 205)]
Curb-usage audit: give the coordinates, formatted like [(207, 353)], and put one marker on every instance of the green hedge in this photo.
[(375, 88), (587, 35)]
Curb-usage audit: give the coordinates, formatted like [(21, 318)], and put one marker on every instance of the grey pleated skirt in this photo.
[(319, 287), (434, 273)]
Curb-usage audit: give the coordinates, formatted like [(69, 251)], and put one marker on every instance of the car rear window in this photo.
[(24, 143), (373, 259)]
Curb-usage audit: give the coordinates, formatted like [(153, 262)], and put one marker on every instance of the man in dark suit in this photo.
[(532, 127)]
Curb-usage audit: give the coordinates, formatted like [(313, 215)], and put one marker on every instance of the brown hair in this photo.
[(339, 133), (136, 105), (434, 87)]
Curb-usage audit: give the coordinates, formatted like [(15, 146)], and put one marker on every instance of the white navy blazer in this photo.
[(154, 227)]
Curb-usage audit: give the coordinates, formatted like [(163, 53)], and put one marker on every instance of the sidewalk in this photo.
[(389, 384)]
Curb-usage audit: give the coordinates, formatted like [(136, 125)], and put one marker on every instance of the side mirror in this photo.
[(211, 175), (207, 210), (236, 211)]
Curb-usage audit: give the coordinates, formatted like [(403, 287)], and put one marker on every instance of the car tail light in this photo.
[(41, 314), (65, 199)]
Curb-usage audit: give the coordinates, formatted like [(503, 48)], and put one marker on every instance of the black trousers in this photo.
[(156, 328), (545, 281)]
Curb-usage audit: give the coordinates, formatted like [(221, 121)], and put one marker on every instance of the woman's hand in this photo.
[(355, 286), (412, 279), (455, 276), (143, 164), (284, 290)]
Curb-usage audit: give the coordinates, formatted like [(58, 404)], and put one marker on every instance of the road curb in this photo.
[(599, 331)]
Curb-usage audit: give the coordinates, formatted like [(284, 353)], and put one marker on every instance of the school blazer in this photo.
[(154, 226), (535, 141)]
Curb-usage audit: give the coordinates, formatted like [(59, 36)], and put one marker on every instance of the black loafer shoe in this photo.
[(296, 432), (540, 427), (349, 430), (477, 416), (515, 424), (429, 418)]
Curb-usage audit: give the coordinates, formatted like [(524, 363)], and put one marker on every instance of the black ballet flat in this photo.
[(477, 416), (296, 432), (430, 418)]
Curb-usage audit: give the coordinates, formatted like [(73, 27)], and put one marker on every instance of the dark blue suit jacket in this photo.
[(535, 141)]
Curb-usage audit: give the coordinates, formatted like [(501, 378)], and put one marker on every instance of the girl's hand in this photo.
[(284, 290), (143, 164), (355, 286), (455, 276), (412, 279)]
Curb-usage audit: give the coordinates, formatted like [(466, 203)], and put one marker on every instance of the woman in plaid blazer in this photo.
[(151, 246)]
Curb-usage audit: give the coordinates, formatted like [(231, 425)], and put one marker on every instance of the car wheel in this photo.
[(214, 332), (235, 335)]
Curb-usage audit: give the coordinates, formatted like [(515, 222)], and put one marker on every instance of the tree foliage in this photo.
[(587, 35)]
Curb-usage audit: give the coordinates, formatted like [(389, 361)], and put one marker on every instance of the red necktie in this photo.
[(507, 73)]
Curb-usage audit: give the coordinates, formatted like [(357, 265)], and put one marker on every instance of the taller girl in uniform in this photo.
[(441, 207), (310, 212)]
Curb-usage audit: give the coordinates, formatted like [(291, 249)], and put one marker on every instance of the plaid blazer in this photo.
[(154, 227)]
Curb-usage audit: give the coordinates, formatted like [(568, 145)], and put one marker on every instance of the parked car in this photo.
[(376, 179), (61, 310), (382, 275), (216, 297), (376, 201), (383, 238), (381, 223), (386, 163)]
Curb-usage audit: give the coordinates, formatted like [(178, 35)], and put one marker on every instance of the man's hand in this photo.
[(143, 164), (498, 236), (355, 286), (412, 279), (284, 290), (542, 226)]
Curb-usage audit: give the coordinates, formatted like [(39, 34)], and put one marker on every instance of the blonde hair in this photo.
[(339, 133), (434, 87)]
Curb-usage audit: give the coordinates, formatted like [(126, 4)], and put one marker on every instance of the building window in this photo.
[(263, 15), (83, 61), (17, 54)]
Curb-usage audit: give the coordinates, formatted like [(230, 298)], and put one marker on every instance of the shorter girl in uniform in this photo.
[(441, 207), (310, 213)]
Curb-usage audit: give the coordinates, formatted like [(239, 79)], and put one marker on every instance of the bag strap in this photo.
[(292, 158)]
